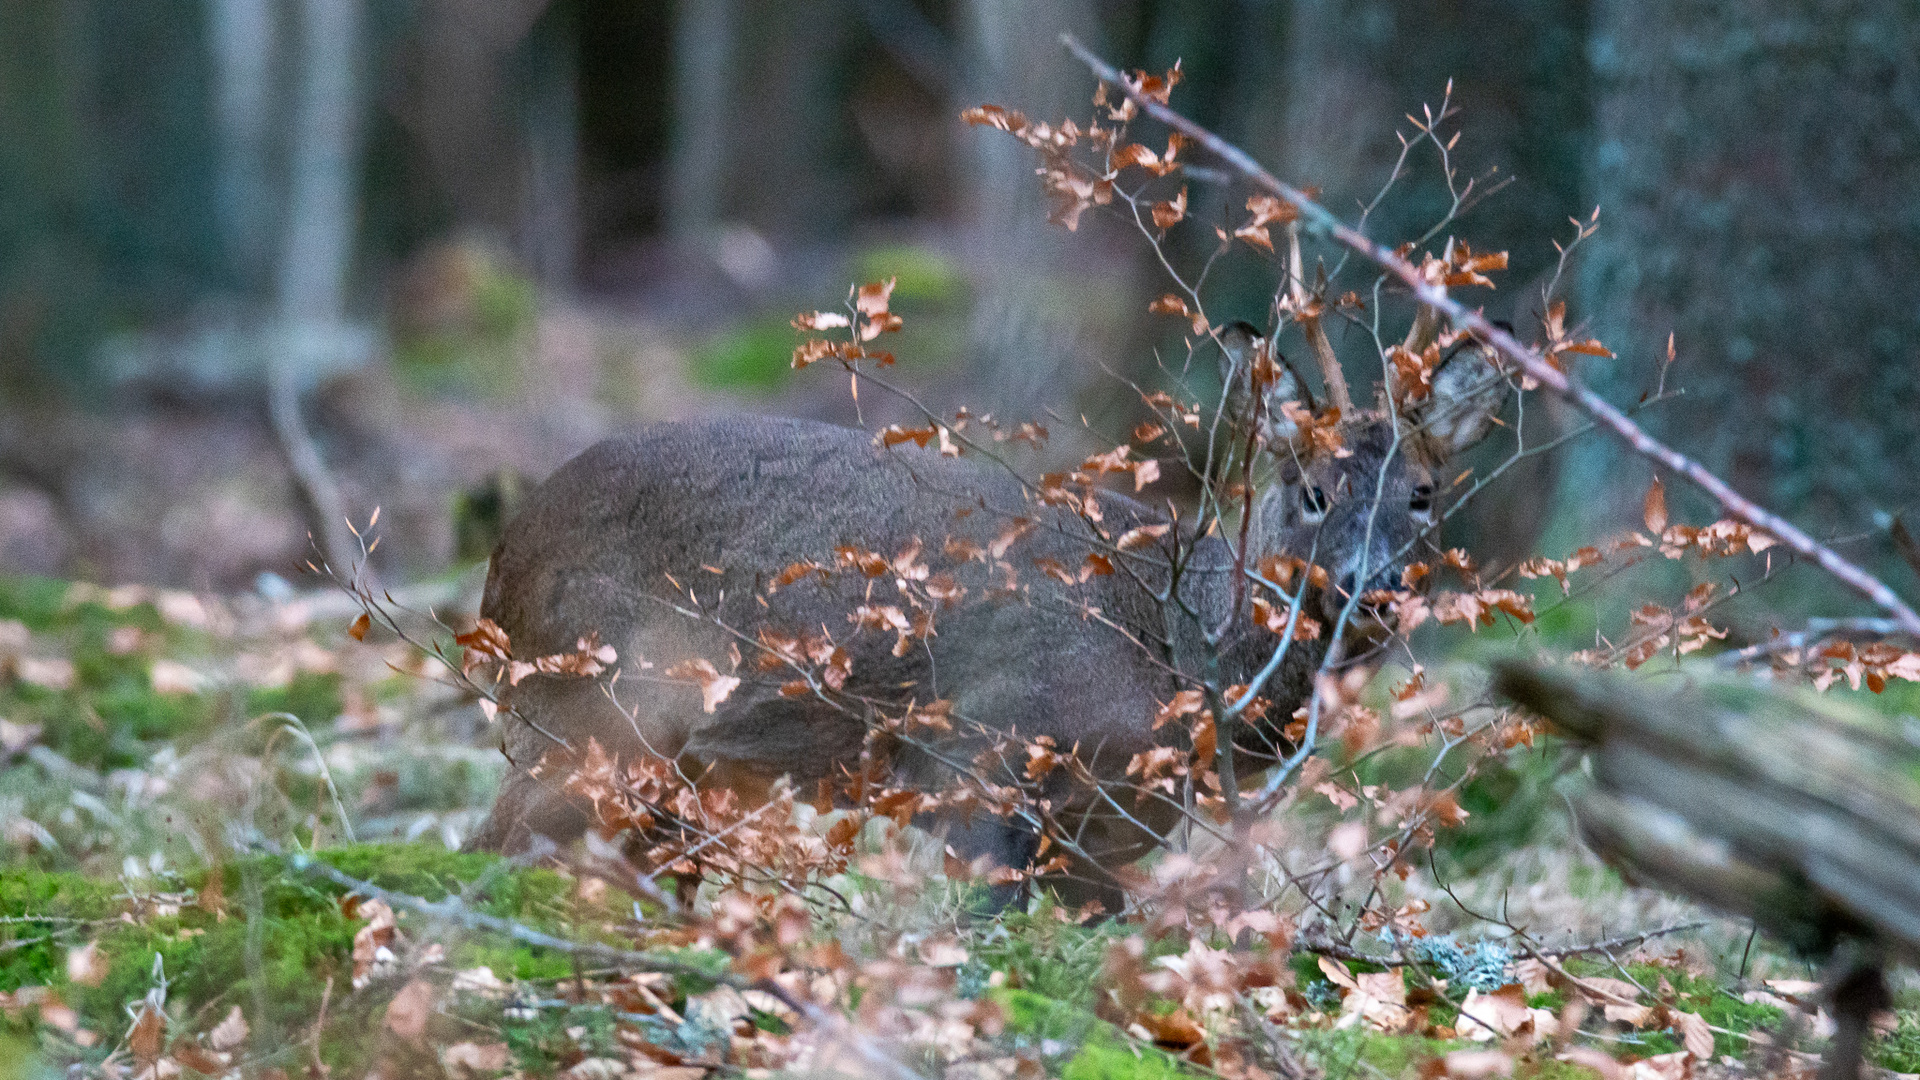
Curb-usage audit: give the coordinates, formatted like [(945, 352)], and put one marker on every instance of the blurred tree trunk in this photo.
[(50, 288), (1024, 327), (703, 52), (464, 109), (792, 66), (324, 166), (551, 116), (243, 37), (1757, 166), (322, 219)]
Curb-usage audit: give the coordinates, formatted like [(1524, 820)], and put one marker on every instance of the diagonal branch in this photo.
[(1321, 220)]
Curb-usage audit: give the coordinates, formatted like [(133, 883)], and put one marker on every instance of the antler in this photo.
[(1309, 319)]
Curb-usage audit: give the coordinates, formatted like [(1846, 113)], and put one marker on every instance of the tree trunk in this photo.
[(1756, 167), (322, 218), (703, 57), (1023, 331), (243, 38), (551, 117)]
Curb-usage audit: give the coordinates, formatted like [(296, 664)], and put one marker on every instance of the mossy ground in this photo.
[(250, 932), (258, 934), (1083, 1046)]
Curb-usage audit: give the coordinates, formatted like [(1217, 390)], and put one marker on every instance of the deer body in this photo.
[(719, 507)]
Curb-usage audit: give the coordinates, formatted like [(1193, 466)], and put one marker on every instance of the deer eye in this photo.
[(1422, 500), (1315, 500)]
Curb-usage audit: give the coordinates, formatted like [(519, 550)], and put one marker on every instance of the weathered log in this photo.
[(1796, 812)]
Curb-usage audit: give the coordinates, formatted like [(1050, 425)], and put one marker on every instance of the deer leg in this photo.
[(1005, 843), (1086, 882), (528, 807)]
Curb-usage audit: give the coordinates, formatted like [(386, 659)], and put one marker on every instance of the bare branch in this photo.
[(1533, 364)]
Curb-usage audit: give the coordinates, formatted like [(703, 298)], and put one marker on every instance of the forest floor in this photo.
[(176, 897)]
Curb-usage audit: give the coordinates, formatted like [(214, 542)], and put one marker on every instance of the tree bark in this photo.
[(322, 219), (1756, 165), (703, 54), (243, 38)]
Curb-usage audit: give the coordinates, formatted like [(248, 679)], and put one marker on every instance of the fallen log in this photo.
[(1793, 811)]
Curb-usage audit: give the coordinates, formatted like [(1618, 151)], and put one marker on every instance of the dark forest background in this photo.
[(467, 237)]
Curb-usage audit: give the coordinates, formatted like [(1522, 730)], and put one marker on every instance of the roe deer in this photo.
[(722, 506)]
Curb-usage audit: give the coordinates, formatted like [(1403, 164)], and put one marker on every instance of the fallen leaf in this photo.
[(1503, 1014), (1675, 1066), (16, 737), (230, 1032), (1347, 840), (468, 1058), (1477, 1064), (942, 952), (51, 673), (199, 1058), (88, 965), (479, 980), (1378, 1000), (149, 1033), (1599, 1062), (407, 1013), (371, 940), (1694, 1034), (173, 677)]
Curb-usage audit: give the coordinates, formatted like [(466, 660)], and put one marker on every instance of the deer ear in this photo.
[(1239, 343), (1468, 391), (1242, 352)]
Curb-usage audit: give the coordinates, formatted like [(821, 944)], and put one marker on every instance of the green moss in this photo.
[(1695, 994), (1552, 1001), (313, 697), (1315, 984), (1107, 1057), (479, 343), (36, 601), (275, 937), (1549, 1069), (1364, 1053), (58, 897), (1039, 953), (110, 714), (1900, 1051), (18, 1059), (1102, 1054), (920, 274), (1357, 1052), (553, 1036), (755, 357)]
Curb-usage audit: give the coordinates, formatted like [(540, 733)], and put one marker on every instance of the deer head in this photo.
[(1354, 495)]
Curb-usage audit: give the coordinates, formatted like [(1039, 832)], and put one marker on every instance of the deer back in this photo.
[(668, 544)]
